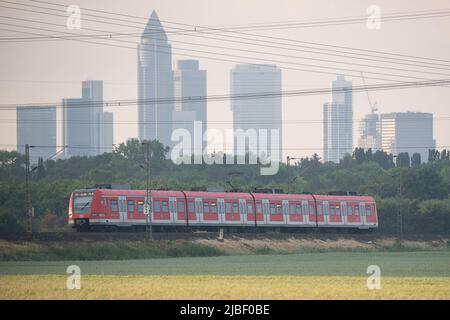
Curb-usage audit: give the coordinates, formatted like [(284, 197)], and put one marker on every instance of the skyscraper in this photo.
[(36, 125), (190, 82), (410, 132), (338, 121), (260, 113), (369, 132), (155, 83), (87, 130)]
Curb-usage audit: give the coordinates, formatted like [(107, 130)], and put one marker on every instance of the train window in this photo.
[(249, 208), (191, 207), (157, 206), (140, 206), (165, 206), (368, 211), (278, 208), (349, 210), (311, 209), (114, 207), (356, 211), (299, 209), (258, 208), (338, 211), (206, 207), (228, 207), (235, 207), (331, 210), (272, 208), (319, 210), (130, 205), (292, 208), (213, 207), (180, 206)]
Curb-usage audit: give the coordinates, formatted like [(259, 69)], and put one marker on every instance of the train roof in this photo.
[(231, 195)]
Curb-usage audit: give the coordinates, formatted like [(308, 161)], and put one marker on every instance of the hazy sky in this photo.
[(47, 71)]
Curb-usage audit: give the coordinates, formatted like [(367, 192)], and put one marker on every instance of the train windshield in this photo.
[(82, 202)]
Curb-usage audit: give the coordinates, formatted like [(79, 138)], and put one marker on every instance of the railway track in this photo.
[(141, 236)]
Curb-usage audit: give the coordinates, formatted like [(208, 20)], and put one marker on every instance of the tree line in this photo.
[(403, 184)]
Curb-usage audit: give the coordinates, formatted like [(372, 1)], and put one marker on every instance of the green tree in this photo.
[(403, 160), (359, 155), (383, 159), (415, 160), (433, 155)]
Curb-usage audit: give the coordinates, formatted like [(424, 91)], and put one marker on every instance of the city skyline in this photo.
[(300, 115)]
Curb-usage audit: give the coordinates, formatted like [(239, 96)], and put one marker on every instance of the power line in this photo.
[(105, 147), (257, 122), (306, 70), (261, 95), (239, 56), (270, 23), (104, 35), (233, 37), (198, 28)]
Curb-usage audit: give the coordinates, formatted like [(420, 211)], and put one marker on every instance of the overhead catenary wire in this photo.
[(261, 95), (306, 70), (232, 37), (253, 58), (216, 149), (299, 69), (259, 123), (104, 35), (198, 28)]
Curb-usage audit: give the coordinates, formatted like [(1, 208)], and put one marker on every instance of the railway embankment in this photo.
[(89, 248)]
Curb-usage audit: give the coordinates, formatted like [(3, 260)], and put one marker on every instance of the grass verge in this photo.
[(115, 250), (125, 250)]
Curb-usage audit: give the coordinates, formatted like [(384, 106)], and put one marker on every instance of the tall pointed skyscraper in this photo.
[(155, 83)]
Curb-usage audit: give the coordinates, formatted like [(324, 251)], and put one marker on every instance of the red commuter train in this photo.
[(110, 209)]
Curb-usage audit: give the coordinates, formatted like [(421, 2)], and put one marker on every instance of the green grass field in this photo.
[(330, 275), (396, 264)]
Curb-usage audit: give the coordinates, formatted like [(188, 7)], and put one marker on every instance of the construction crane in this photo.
[(373, 107)]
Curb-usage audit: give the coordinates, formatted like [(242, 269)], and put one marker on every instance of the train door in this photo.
[(123, 209), (221, 209), (172, 208), (305, 211), (285, 211), (265, 203), (362, 212), (326, 213), (344, 212), (199, 209), (242, 210)]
